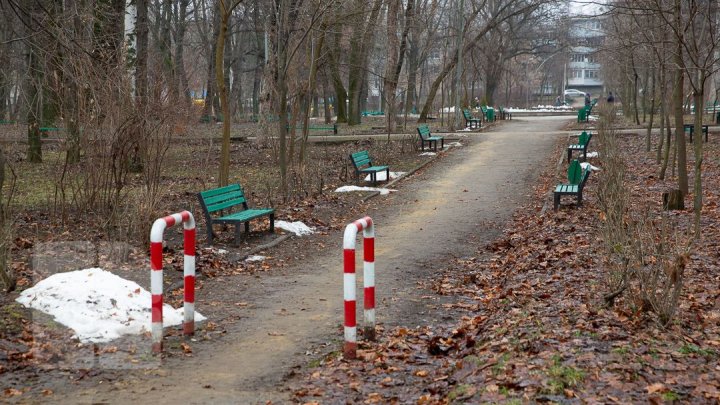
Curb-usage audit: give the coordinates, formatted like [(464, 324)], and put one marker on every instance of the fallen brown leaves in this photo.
[(533, 325)]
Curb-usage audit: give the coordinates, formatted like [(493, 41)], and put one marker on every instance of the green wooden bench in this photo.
[(577, 177), (432, 140), (583, 114), (582, 145), (6, 122), (230, 203), (470, 121), (362, 159), (691, 129), (332, 128)]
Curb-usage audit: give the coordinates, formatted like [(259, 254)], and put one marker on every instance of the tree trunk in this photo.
[(33, 91), (668, 142), (180, 71), (225, 10), (390, 82), (141, 70), (698, 147), (310, 91), (648, 145), (673, 200), (6, 272), (678, 106), (334, 67), (211, 73), (360, 44)]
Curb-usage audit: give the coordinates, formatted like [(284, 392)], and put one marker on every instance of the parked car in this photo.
[(572, 93)]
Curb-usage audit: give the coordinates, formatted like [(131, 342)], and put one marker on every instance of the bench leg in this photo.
[(585, 154), (556, 201), (237, 233), (579, 198), (209, 232), (387, 175), (422, 144), (569, 155), (272, 223), (434, 145), (442, 144)]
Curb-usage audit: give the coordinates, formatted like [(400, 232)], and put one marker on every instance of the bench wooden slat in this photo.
[(225, 204), (221, 190), (246, 215), (222, 197), (374, 169)]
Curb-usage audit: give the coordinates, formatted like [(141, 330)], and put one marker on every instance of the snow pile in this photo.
[(345, 189), (98, 305), (588, 166), (255, 258), (297, 227), (428, 154), (592, 155), (543, 108), (453, 144), (380, 176)]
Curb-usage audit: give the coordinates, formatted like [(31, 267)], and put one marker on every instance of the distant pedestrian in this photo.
[(558, 102), (587, 100), (611, 98)]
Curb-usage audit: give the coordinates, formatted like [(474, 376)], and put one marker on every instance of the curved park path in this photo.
[(467, 195)]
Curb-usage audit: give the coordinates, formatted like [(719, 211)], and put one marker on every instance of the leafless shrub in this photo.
[(6, 235), (613, 201), (646, 254)]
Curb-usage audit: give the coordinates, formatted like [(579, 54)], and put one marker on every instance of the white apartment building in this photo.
[(583, 67)]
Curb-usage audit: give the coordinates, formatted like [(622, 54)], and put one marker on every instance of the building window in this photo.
[(592, 59), (576, 74), (577, 57), (591, 74)]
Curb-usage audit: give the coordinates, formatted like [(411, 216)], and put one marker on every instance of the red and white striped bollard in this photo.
[(156, 274), (366, 225)]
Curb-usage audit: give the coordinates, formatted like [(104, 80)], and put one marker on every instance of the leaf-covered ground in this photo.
[(34, 349), (532, 323)]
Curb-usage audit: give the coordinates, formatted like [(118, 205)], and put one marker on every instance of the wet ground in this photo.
[(287, 319)]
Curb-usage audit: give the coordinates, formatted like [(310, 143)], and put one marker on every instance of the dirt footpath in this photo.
[(293, 315)]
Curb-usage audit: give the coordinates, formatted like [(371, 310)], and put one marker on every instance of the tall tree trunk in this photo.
[(698, 147), (668, 141), (180, 70), (225, 9), (360, 44), (678, 105), (211, 73), (390, 83), (648, 145), (141, 70), (334, 67), (315, 48), (33, 87), (6, 272)]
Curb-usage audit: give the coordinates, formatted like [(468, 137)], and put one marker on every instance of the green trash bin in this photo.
[(490, 114)]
